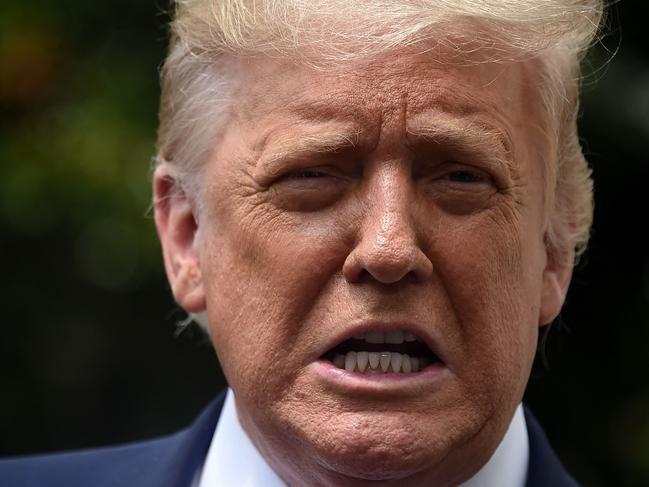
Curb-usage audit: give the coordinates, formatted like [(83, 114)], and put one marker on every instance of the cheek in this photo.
[(263, 274), (491, 274)]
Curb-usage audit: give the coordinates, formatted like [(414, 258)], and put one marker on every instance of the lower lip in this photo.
[(431, 377)]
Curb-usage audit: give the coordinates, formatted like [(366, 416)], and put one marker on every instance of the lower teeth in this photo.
[(379, 362)]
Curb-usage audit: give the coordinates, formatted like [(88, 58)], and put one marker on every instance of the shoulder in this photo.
[(104, 466), (171, 460), (545, 468)]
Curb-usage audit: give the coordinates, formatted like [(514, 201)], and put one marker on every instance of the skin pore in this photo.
[(392, 193)]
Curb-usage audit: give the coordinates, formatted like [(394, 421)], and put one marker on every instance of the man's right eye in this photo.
[(305, 174), (306, 190)]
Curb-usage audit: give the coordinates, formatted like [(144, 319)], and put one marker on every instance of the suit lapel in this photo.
[(174, 461), (545, 469)]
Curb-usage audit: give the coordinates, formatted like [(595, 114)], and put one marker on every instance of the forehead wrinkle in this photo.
[(317, 124), (345, 107)]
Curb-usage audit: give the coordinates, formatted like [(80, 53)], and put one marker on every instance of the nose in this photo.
[(387, 246)]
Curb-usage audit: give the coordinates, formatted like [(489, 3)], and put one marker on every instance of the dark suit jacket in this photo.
[(172, 461)]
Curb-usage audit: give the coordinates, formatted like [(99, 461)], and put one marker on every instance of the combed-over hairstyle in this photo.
[(554, 33)]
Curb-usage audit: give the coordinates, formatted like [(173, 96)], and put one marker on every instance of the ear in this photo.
[(177, 229), (556, 280)]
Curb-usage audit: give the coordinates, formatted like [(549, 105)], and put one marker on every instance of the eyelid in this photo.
[(442, 172), (482, 175), (305, 175), (328, 166), (299, 174), (476, 175), (274, 165), (448, 166)]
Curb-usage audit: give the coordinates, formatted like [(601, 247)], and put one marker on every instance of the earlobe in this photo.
[(556, 280), (177, 229)]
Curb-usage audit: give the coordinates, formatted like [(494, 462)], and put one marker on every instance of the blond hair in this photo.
[(554, 33)]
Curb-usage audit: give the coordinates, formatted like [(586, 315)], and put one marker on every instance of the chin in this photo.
[(395, 450)]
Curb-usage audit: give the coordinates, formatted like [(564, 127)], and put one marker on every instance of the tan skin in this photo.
[(347, 199)]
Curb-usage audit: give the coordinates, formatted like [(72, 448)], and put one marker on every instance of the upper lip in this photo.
[(421, 331)]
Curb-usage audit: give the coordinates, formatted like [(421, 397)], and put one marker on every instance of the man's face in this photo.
[(387, 197)]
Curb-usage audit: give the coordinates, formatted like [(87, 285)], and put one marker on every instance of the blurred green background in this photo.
[(90, 353)]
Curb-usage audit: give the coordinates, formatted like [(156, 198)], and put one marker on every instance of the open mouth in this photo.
[(383, 352)]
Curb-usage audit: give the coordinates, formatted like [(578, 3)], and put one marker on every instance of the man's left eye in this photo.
[(463, 176), (464, 180)]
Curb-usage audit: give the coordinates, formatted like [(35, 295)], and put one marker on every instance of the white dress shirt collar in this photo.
[(232, 459)]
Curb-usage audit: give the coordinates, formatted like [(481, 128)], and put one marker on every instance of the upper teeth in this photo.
[(395, 337), (365, 362)]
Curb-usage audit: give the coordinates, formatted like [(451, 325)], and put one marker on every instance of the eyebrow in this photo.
[(324, 142), (463, 133)]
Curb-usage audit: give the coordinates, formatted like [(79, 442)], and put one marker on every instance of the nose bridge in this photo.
[(387, 243), (388, 222)]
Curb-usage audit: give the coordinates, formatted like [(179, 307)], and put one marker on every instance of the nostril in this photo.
[(366, 277), (423, 269), (390, 274)]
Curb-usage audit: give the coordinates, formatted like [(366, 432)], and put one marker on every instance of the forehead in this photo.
[(396, 87)]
